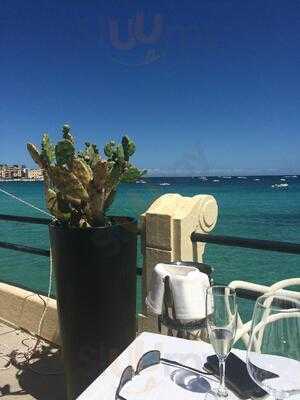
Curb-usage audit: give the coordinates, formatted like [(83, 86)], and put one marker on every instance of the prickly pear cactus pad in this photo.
[(80, 186)]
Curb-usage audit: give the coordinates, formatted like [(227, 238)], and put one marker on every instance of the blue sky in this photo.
[(215, 89)]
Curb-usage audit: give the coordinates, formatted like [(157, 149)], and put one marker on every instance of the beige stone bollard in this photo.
[(166, 229)]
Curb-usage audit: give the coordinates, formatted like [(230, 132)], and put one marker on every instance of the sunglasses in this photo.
[(147, 360)]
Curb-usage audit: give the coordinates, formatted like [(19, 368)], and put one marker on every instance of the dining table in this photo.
[(160, 381)]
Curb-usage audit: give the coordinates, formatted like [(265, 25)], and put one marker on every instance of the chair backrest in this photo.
[(286, 283), (243, 329)]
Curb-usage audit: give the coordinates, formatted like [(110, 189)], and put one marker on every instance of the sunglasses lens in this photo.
[(126, 377), (148, 359)]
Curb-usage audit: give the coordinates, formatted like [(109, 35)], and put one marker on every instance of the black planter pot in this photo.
[(96, 294)]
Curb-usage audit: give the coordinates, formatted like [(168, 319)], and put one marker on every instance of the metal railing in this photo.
[(29, 220), (28, 249), (256, 244)]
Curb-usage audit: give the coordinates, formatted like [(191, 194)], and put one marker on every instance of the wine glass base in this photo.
[(215, 394), (190, 381)]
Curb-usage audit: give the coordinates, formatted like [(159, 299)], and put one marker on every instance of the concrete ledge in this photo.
[(23, 309)]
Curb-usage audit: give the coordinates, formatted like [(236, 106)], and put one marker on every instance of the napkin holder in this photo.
[(191, 329)]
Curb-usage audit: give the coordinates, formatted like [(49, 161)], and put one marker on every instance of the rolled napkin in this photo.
[(188, 286)]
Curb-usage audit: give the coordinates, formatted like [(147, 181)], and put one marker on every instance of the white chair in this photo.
[(244, 328)]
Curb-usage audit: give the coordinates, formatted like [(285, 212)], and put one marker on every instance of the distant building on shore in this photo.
[(12, 171), (19, 172), (35, 174)]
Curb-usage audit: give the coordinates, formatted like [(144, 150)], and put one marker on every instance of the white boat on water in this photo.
[(140, 182), (203, 178), (280, 185), (257, 179), (226, 177), (242, 177), (165, 184), (216, 180), (282, 179)]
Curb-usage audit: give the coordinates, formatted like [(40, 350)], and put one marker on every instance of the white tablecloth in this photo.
[(157, 382)]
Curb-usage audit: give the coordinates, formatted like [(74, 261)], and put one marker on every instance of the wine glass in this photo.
[(273, 357), (221, 312)]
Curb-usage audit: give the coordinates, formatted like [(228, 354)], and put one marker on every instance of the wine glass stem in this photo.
[(222, 391)]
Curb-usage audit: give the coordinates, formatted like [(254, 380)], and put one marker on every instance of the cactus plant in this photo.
[(80, 186)]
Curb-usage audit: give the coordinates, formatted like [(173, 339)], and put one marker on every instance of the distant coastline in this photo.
[(40, 178), (22, 180)]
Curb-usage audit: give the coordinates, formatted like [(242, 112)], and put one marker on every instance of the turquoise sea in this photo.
[(248, 207)]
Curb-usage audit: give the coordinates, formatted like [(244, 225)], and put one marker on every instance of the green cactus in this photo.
[(48, 149), (64, 152), (35, 155), (100, 172), (110, 149), (119, 155), (55, 206), (82, 171), (133, 174), (90, 154), (67, 183), (80, 186), (66, 133), (128, 147)]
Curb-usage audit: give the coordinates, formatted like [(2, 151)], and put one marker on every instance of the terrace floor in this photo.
[(39, 377)]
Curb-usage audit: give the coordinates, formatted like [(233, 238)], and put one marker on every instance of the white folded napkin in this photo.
[(188, 287)]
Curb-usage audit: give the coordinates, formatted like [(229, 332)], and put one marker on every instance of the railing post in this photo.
[(166, 228)]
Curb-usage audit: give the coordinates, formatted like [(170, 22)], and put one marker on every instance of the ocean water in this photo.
[(247, 207)]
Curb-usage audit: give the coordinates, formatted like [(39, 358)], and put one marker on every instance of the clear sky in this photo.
[(204, 87)]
